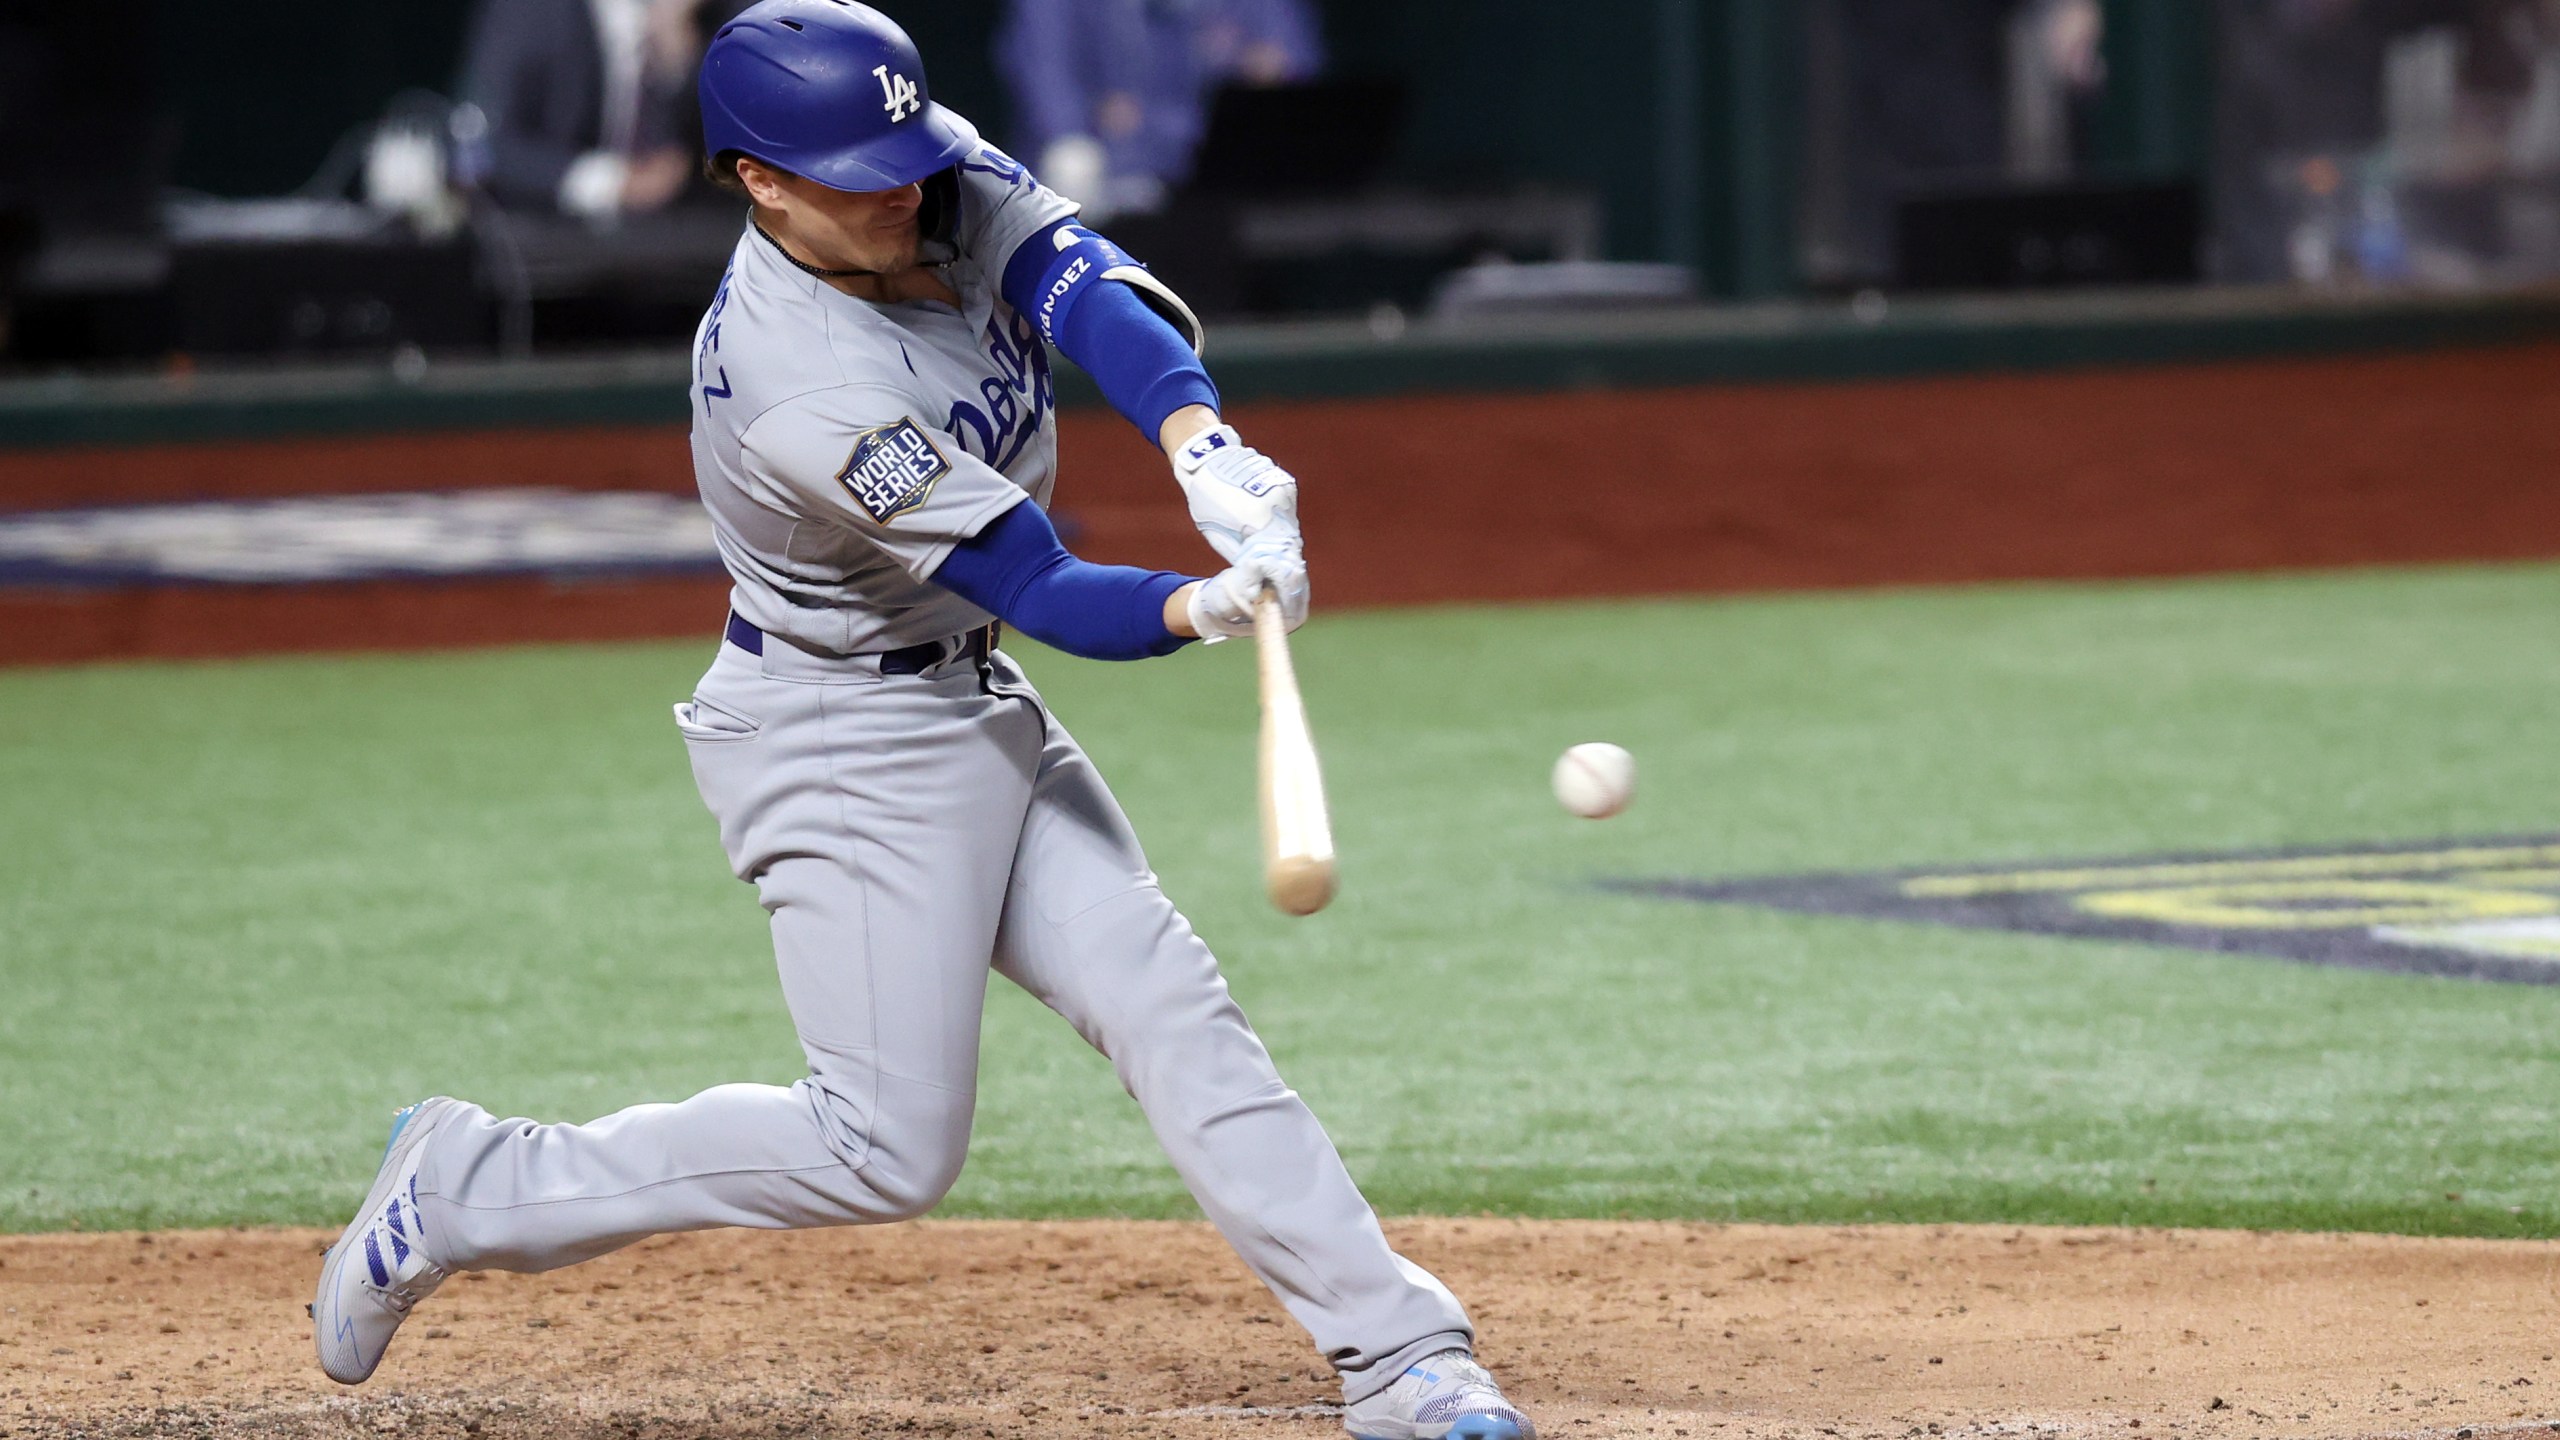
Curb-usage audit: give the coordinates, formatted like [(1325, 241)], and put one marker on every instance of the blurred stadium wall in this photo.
[(1952, 441), (1680, 114), (1782, 441)]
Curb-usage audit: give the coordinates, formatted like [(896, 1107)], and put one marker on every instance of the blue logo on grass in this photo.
[(2484, 909)]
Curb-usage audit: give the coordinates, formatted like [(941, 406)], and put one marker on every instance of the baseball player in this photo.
[(873, 436)]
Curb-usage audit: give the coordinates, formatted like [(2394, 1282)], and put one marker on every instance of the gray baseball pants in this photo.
[(903, 831)]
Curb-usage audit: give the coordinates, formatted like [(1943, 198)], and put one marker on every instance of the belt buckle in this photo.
[(975, 644)]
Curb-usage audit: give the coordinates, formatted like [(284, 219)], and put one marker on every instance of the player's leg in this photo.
[(1088, 931), (878, 822)]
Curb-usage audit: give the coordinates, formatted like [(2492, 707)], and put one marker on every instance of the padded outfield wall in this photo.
[(1738, 449)]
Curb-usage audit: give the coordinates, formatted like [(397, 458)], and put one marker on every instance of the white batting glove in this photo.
[(1222, 607), (1236, 492)]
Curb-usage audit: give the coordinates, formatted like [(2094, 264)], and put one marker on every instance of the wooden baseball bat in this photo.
[(1297, 835)]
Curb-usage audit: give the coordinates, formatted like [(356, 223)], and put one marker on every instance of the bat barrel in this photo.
[(1298, 870), (1300, 885)]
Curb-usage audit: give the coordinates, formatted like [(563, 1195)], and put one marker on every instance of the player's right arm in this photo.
[(1133, 335), (1141, 345)]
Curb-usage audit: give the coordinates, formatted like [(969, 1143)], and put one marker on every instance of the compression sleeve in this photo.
[(1085, 295), (1016, 570), (1142, 364)]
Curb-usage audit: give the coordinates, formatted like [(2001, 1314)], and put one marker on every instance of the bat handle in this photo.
[(1268, 623)]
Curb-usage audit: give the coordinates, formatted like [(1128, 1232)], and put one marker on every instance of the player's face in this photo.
[(843, 229)]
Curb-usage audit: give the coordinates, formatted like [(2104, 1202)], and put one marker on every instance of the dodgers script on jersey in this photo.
[(843, 448)]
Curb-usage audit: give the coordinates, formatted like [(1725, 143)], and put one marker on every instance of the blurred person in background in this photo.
[(583, 106), (2330, 109), (2512, 66), (1916, 94), (2300, 85), (1112, 96)]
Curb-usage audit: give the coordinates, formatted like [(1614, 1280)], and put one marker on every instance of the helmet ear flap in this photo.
[(938, 218)]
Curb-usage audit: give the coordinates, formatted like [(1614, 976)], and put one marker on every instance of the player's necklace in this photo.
[(820, 272)]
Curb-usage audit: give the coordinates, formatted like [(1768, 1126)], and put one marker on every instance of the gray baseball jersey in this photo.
[(909, 832), (844, 447)]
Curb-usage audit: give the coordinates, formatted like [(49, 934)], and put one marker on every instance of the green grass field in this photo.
[(247, 909)]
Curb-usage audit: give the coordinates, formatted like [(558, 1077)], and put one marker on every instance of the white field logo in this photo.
[(902, 98), (360, 537)]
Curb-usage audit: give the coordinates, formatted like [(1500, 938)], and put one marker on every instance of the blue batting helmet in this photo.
[(829, 90)]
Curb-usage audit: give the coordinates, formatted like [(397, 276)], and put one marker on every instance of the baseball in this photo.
[(1595, 781)]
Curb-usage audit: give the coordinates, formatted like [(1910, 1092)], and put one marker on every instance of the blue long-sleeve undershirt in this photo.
[(1140, 362), (1016, 570), (1142, 365)]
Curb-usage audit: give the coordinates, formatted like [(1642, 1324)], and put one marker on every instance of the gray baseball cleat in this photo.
[(380, 1267), (1447, 1396)]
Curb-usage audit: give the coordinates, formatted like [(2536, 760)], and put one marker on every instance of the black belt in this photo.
[(910, 660)]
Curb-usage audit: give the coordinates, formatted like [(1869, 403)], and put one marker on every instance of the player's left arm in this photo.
[(1018, 570), (1141, 345)]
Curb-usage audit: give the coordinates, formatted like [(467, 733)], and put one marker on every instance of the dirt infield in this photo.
[(2185, 470), (1126, 1329)]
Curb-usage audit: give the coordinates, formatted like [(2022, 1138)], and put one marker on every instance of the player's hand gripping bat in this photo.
[(1297, 835)]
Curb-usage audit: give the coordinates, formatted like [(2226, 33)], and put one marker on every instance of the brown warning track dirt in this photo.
[(1128, 1329), (194, 622), (2366, 460)]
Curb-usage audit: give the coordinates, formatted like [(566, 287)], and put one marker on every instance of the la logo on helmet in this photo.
[(902, 99)]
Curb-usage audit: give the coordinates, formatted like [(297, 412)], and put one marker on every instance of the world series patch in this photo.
[(892, 470), (2486, 909)]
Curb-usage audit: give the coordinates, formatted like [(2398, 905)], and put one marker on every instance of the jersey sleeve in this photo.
[(1001, 206), (864, 457)]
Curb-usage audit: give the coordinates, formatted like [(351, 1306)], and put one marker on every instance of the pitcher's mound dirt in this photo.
[(1125, 1329)]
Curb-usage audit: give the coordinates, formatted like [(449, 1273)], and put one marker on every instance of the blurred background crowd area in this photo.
[(300, 179)]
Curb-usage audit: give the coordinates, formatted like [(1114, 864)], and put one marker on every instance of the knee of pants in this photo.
[(909, 1186), (906, 1153), (1165, 1017)]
